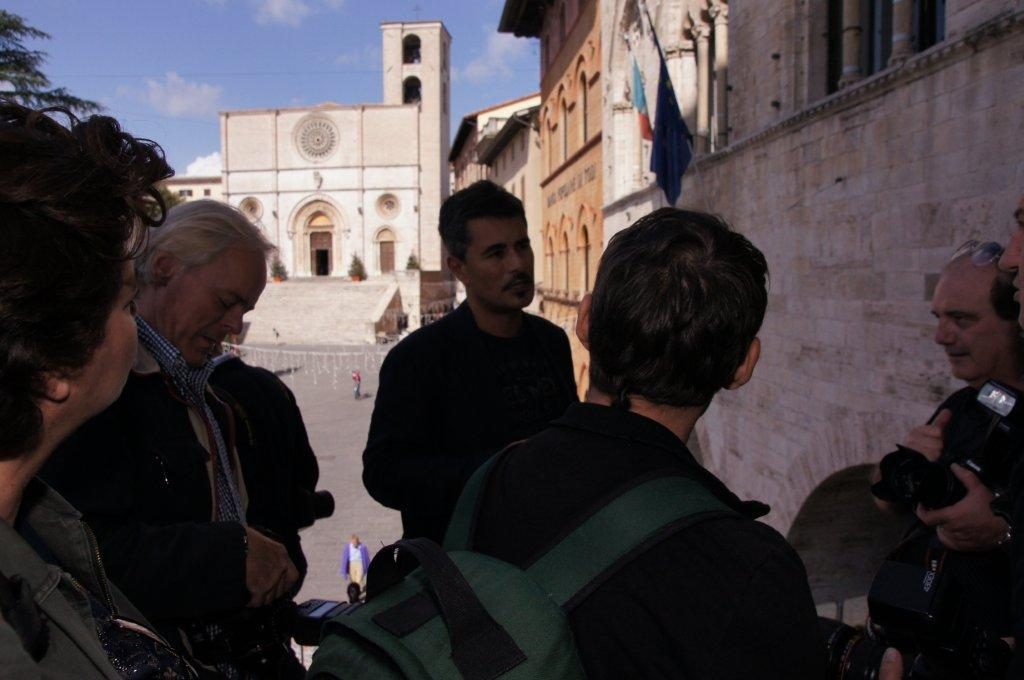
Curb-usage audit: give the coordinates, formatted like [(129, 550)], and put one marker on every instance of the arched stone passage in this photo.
[(842, 537)]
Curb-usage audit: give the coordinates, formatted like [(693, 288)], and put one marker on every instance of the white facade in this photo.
[(330, 182)]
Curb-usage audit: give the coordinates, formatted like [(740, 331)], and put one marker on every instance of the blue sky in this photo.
[(164, 69)]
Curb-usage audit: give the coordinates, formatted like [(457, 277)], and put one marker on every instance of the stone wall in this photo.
[(857, 202)]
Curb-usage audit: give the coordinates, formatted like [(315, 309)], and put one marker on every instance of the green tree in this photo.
[(21, 77), (356, 269), (171, 199)]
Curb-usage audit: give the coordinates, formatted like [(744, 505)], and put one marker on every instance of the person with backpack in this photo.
[(600, 547), (673, 318)]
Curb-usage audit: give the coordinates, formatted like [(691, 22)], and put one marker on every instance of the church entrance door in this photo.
[(387, 256), (320, 252)]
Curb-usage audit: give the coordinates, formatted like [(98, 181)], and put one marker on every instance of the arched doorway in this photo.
[(321, 244), (386, 251), (843, 538), (317, 224)]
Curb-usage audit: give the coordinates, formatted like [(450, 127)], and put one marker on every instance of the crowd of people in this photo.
[(152, 492)]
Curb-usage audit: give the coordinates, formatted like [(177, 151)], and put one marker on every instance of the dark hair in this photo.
[(678, 299), (71, 202), (354, 591), (480, 199)]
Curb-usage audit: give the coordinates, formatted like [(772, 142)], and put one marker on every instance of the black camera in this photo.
[(908, 477), (258, 640), (920, 611), (309, 618), (925, 601)]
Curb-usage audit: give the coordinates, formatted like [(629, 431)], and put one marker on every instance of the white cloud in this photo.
[(176, 97), (204, 166), (369, 57), (291, 12), (501, 51)]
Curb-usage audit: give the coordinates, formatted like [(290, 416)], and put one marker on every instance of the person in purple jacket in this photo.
[(355, 560)]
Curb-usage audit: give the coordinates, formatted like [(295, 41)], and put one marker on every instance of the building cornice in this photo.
[(523, 18), (881, 83), (915, 67), (571, 160)]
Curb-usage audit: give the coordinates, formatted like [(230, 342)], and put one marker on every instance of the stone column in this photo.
[(701, 34), (687, 92), (902, 20), (720, 14), (851, 43)]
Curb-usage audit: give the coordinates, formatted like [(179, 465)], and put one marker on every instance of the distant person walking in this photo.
[(355, 559), (357, 383)]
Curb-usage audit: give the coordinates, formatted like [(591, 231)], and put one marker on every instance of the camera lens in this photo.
[(851, 654)]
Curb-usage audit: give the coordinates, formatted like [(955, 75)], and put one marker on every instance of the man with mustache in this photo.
[(455, 392)]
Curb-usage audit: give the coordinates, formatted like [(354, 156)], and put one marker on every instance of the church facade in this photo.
[(334, 182)]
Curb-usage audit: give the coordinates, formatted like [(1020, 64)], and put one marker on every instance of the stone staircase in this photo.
[(319, 311)]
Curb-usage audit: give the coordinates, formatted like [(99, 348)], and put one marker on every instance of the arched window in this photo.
[(411, 91), (584, 242), (386, 251), (565, 261), (564, 124), (550, 254), (581, 102), (411, 49)]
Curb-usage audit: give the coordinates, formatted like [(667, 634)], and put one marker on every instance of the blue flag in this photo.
[(670, 153)]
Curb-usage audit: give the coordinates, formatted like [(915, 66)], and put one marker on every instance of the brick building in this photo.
[(857, 144), (571, 151)]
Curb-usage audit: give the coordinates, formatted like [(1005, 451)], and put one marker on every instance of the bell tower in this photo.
[(417, 73)]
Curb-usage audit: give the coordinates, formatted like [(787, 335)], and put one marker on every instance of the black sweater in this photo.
[(724, 598), (440, 412)]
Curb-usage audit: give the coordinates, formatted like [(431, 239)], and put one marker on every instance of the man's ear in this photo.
[(162, 267), (56, 387), (746, 369), (457, 267), (583, 321)]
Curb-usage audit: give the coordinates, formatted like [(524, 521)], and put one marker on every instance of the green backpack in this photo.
[(462, 615)]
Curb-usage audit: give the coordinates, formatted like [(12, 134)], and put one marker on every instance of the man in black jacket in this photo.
[(673, 318), (455, 392), (164, 476)]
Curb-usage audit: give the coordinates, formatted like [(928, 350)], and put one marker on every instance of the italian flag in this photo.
[(640, 103)]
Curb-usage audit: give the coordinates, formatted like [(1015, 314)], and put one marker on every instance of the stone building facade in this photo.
[(510, 149), (463, 157), (502, 144), (571, 173), (333, 181), (192, 188), (857, 144)]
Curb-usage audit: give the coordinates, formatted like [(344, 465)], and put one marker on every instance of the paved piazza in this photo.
[(337, 426)]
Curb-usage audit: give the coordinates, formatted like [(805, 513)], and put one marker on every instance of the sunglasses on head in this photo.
[(981, 252)]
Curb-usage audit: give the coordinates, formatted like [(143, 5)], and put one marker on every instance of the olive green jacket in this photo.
[(73, 650)]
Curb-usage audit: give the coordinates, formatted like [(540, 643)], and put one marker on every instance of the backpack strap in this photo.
[(618, 530), (461, 525)]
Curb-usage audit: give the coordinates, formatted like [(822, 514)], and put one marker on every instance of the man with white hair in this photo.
[(158, 475)]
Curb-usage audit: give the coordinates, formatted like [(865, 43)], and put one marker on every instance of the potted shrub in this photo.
[(413, 263), (278, 272), (356, 270)]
